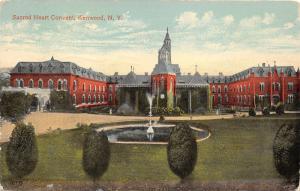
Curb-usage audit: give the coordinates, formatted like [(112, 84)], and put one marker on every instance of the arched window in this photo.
[(74, 99), (59, 85), (103, 98), (213, 89), (95, 98), (95, 88), (30, 83), (21, 83), (50, 84), (17, 83), (74, 85), (99, 98), (89, 99), (65, 84), (83, 99), (83, 86), (40, 83)]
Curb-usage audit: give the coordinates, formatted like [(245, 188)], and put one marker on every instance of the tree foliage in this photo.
[(286, 151), (96, 154), (61, 100), (22, 152), (182, 150), (14, 105), (252, 112)]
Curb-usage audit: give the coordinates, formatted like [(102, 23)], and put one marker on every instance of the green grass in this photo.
[(237, 149)]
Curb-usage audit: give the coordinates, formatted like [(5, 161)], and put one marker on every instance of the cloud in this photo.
[(228, 20), (268, 18), (207, 17), (256, 20), (288, 25), (187, 19), (191, 20)]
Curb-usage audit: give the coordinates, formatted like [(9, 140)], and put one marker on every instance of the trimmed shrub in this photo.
[(61, 101), (266, 111), (182, 150), (286, 152), (15, 105), (96, 154), (279, 108), (161, 118), (22, 152), (252, 112)]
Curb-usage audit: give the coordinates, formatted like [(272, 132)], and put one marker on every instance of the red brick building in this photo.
[(253, 87), (256, 86), (87, 87)]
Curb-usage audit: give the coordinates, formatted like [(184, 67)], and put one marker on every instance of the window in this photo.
[(244, 88), (95, 98), (83, 98), (74, 85), (213, 99), (238, 99), (31, 84), (225, 89), (95, 88), (50, 84), (219, 89), (65, 84), (103, 88), (99, 88), (226, 98), (290, 98), (110, 88), (59, 84), (99, 98), (74, 99), (90, 88), (83, 86), (241, 88), (40, 83), (21, 83), (245, 99), (290, 86), (220, 99), (261, 97), (262, 86), (89, 99), (110, 98), (276, 86), (213, 89)]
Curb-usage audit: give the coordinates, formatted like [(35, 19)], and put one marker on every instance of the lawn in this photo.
[(238, 149)]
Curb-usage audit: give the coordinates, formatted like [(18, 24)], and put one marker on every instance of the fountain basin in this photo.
[(137, 133)]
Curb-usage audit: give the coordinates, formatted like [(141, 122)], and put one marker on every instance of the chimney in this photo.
[(220, 73), (116, 73), (189, 73), (263, 64), (205, 74), (146, 73)]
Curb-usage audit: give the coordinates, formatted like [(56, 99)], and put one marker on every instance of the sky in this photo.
[(217, 36)]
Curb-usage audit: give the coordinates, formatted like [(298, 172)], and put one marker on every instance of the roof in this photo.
[(131, 80), (162, 68), (57, 67), (189, 80)]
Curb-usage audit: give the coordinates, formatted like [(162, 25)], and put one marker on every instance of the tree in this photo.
[(22, 152), (286, 151), (61, 100), (182, 150), (96, 154), (14, 105), (252, 112)]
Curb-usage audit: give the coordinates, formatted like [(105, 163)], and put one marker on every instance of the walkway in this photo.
[(43, 122)]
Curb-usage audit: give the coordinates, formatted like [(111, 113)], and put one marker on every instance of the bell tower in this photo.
[(163, 78)]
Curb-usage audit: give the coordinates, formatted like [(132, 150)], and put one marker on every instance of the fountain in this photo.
[(146, 133), (150, 131)]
